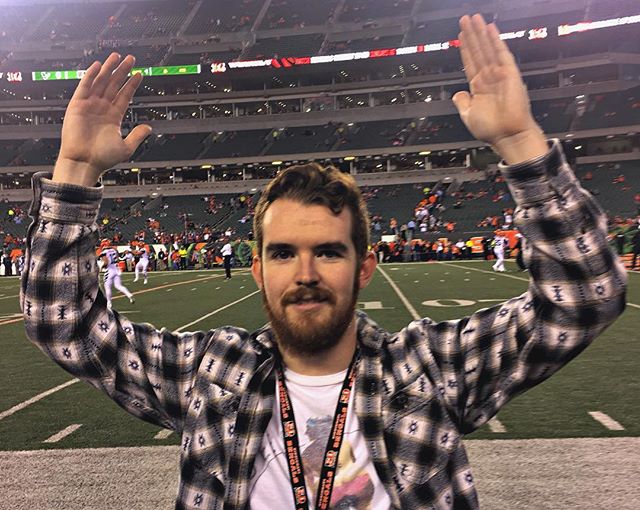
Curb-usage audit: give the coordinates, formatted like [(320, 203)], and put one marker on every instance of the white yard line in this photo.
[(402, 297), (206, 316), (606, 420), (163, 434), (10, 297), (496, 426), (63, 433), (33, 400)]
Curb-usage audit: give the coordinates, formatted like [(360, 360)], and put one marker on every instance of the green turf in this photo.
[(603, 378)]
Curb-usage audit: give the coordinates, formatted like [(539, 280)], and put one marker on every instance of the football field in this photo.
[(42, 407)]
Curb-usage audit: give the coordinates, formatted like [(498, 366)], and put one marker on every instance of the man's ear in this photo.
[(256, 271), (367, 268)]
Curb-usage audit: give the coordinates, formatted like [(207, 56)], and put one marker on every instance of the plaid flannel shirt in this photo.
[(417, 391)]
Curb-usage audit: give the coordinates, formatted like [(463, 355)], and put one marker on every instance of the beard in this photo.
[(311, 333)]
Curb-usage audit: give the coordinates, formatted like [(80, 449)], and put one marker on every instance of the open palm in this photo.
[(497, 106), (91, 137)]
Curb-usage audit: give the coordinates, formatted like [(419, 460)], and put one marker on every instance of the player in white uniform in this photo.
[(143, 263), (498, 250), (112, 275)]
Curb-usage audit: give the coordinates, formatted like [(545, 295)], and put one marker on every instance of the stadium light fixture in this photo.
[(275, 163), (349, 158), (424, 153), (205, 167)]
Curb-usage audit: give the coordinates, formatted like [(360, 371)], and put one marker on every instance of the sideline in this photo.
[(518, 474)]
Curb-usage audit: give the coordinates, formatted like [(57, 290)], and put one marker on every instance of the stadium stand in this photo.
[(177, 147), (16, 20), (615, 185), (146, 19), (64, 24), (296, 45), (302, 139), (236, 143), (297, 13), (391, 115), (214, 17), (364, 10), (611, 110), (204, 57)]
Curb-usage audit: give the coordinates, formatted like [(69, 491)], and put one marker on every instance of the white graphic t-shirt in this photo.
[(314, 400)]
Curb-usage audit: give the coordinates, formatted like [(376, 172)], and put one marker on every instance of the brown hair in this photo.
[(313, 184)]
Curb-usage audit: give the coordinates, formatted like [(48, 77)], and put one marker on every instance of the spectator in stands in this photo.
[(411, 229), (218, 388)]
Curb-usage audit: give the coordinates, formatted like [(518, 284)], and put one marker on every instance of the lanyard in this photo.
[(292, 445)]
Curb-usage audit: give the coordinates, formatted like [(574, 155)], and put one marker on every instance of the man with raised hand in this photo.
[(321, 407)]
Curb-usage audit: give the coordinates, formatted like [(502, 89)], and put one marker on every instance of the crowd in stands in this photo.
[(423, 250), (202, 226)]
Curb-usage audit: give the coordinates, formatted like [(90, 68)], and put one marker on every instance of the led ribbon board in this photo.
[(530, 34), (145, 71)]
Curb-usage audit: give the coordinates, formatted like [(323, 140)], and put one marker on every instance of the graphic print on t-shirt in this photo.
[(353, 487)]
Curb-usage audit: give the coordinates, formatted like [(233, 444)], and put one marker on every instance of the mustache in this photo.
[(307, 293)]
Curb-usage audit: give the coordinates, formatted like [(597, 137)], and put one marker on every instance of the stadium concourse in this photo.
[(237, 91)]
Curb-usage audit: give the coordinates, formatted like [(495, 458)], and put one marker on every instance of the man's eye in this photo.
[(281, 255)]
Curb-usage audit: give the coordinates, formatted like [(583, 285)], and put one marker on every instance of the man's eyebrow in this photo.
[(336, 246), (273, 247)]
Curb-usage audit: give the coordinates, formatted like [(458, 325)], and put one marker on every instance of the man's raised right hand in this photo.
[(91, 138)]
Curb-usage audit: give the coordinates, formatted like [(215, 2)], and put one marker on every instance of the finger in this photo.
[(84, 87), (104, 76), (462, 101), (500, 48), (118, 77), (473, 37), (482, 33), (125, 95), (136, 137), (469, 67)]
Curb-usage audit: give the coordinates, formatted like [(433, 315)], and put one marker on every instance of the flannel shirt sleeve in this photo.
[(576, 290), (147, 371)]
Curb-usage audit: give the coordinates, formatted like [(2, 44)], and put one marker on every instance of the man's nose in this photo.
[(307, 273)]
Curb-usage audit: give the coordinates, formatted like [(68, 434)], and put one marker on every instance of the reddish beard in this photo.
[(308, 334)]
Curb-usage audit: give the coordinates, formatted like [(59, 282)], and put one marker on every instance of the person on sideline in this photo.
[(227, 253), (321, 407)]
